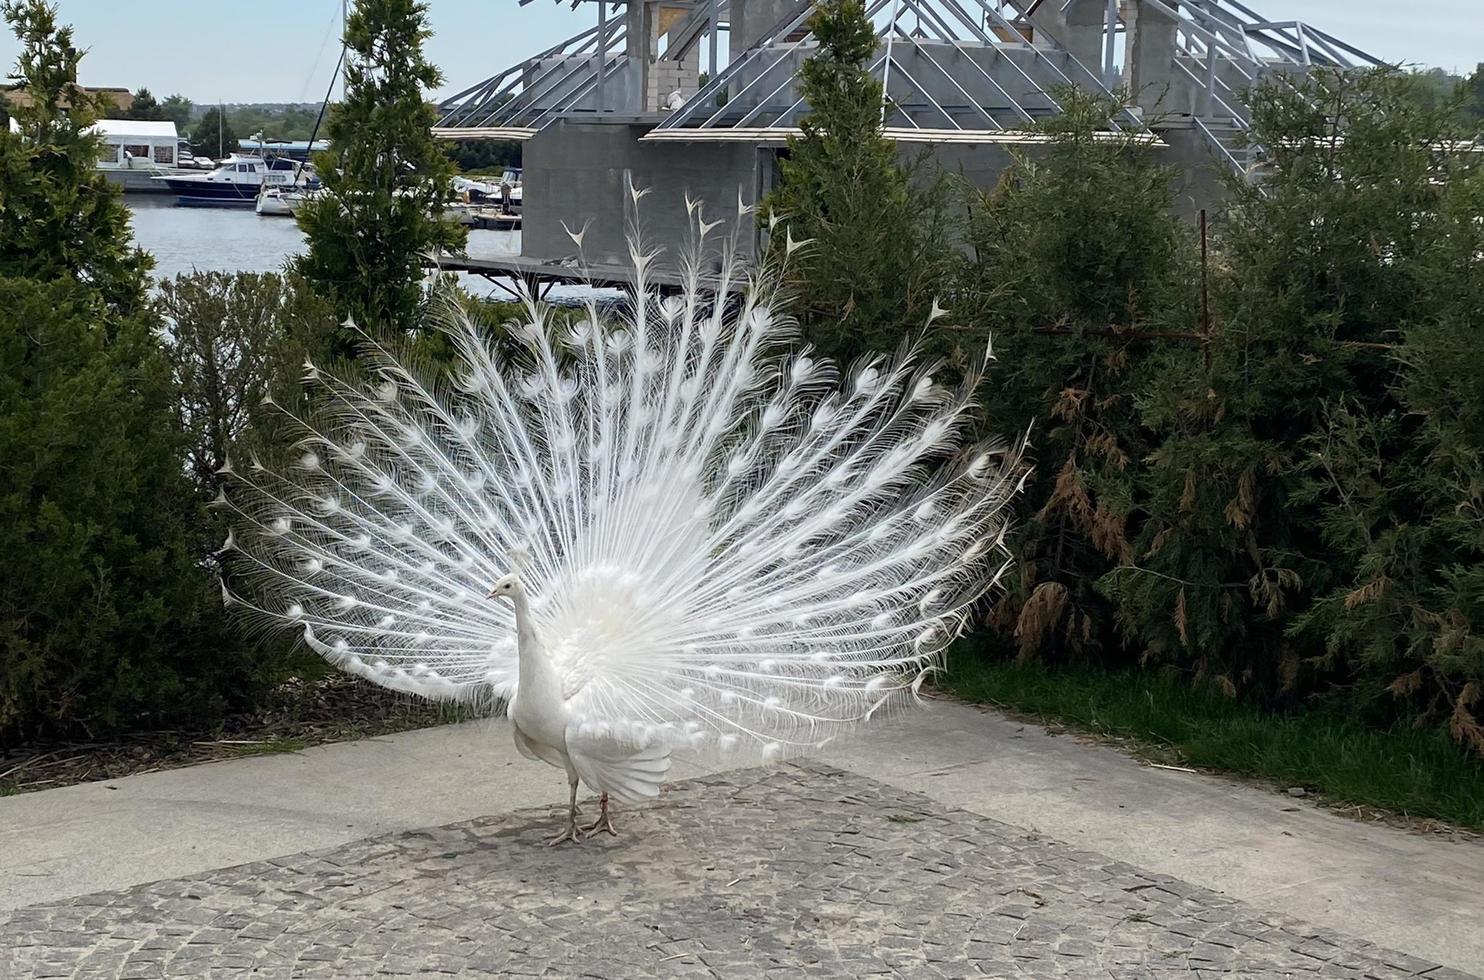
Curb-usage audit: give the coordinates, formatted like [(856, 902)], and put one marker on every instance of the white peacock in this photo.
[(698, 533)]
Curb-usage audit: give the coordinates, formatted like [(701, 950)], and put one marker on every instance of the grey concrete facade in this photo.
[(577, 174)]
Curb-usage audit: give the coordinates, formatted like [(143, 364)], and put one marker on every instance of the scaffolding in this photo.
[(951, 71)]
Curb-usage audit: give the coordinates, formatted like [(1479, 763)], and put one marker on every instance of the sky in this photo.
[(284, 50)]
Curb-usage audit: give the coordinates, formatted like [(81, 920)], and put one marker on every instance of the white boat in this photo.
[(476, 191), (233, 183), (135, 151), (282, 202)]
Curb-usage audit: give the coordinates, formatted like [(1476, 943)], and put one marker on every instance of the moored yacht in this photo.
[(234, 183)]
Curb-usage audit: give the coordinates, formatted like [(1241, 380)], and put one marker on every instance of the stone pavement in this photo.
[(795, 871)]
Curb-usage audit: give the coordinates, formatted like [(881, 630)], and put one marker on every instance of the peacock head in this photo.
[(506, 586)]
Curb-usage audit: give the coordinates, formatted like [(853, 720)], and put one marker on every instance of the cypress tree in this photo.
[(386, 178)]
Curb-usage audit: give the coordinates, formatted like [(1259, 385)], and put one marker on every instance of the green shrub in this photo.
[(878, 256), (108, 617), (1082, 277), (110, 614), (1321, 269)]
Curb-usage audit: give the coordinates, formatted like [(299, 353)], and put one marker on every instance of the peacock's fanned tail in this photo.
[(730, 540)]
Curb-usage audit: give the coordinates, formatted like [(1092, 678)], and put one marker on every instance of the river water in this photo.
[(239, 240)]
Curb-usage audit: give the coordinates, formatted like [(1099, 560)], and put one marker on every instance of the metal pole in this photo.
[(715, 24), (891, 32), (600, 56), (1203, 101), (1109, 79), (344, 42)]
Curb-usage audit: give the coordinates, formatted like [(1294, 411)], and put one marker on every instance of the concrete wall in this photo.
[(1201, 181), (574, 172)]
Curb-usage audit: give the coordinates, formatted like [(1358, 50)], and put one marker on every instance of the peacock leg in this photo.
[(604, 821), (571, 833)]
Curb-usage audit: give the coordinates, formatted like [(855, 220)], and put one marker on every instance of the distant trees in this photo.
[(144, 107), (1435, 88), (178, 109), (484, 156), (386, 179), (214, 136), (285, 121)]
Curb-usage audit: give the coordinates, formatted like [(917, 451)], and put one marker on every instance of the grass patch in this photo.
[(1415, 773)]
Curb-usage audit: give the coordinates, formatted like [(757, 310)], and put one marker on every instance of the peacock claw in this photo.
[(570, 834), (604, 824), (604, 821)]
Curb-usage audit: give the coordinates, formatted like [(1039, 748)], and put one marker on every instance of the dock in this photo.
[(518, 275)]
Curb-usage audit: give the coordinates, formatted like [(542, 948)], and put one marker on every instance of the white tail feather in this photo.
[(725, 538)]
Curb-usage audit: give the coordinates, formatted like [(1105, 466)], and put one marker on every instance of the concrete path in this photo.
[(1416, 894)]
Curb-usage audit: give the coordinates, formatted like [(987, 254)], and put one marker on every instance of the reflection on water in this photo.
[(239, 240)]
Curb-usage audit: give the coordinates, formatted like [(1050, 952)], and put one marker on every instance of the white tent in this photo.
[(136, 143)]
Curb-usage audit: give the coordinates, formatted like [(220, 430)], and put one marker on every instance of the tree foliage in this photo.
[(232, 340), (878, 231), (484, 156), (179, 110), (1258, 474), (1082, 277), (386, 179), (144, 106), (214, 136), (108, 618), (58, 220)]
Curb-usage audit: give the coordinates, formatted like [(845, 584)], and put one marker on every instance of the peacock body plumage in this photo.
[(639, 528)]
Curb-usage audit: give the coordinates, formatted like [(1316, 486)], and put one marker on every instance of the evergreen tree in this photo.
[(108, 617), (386, 178), (58, 217), (1082, 276), (1399, 476), (1320, 268), (214, 136), (177, 108), (144, 107), (878, 256)]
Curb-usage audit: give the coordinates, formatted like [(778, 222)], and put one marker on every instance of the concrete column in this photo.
[(1083, 33), (639, 46), (751, 19), (1152, 58)]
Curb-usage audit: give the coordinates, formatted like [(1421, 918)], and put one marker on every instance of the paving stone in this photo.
[(796, 871)]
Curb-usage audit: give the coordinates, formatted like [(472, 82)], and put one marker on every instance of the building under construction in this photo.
[(624, 101)]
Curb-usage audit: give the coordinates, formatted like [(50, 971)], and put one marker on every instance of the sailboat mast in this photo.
[(344, 41)]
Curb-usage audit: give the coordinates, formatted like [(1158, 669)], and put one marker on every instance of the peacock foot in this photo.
[(604, 822), (570, 834)]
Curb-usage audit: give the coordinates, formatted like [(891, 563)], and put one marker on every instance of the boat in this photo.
[(283, 202), (234, 183), (186, 159), (136, 151), (480, 191)]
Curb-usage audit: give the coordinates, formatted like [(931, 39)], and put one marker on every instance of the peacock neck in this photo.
[(536, 673)]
